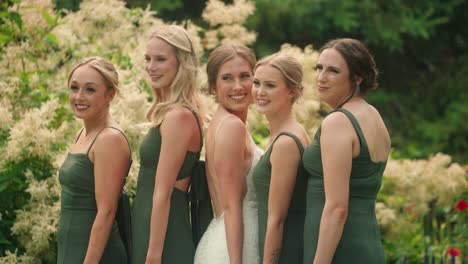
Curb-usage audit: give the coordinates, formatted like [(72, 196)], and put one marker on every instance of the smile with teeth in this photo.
[(262, 102), (81, 107), (237, 97)]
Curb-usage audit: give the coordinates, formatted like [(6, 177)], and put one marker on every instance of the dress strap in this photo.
[(123, 134), (129, 148), (219, 125), (79, 134), (217, 130), (198, 124), (126, 139), (355, 123), (296, 139), (94, 140)]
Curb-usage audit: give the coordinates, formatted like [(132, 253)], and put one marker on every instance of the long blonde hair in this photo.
[(184, 89)]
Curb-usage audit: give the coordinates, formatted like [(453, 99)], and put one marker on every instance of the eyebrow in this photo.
[(87, 83), (258, 79), (330, 66)]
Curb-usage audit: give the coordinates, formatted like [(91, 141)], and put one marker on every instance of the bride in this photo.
[(231, 154)]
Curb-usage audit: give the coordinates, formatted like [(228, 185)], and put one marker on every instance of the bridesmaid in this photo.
[(94, 171), (161, 224), (345, 161), (276, 87)]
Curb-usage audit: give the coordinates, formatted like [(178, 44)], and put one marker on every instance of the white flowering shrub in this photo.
[(435, 181), (417, 207), (225, 23), (37, 126), (43, 211)]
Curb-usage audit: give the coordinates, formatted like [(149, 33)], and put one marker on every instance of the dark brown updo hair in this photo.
[(359, 60)]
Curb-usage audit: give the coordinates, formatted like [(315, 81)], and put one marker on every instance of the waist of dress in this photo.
[(291, 210), (320, 194), (354, 201), (79, 208), (79, 204)]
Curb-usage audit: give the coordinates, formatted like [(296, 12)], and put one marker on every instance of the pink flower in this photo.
[(462, 205), (454, 252)]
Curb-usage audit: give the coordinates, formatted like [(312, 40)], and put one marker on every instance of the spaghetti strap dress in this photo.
[(291, 250), (360, 241), (178, 244), (78, 210)]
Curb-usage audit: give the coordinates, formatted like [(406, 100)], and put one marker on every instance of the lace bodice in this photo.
[(212, 248), (250, 198)]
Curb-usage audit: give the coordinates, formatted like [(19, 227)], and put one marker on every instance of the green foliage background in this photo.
[(421, 48)]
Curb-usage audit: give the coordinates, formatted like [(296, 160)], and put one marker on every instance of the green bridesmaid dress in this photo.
[(178, 245), (291, 251), (77, 213), (360, 241)]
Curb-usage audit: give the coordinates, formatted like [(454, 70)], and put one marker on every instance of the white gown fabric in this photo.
[(212, 248)]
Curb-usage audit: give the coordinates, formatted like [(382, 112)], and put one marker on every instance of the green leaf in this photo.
[(49, 19), (15, 16), (4, 39), (52, 39)]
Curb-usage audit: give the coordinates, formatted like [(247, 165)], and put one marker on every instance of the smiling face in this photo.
[(270, 92), (332, 76), (234, 85), (88, 94), (160, 63)]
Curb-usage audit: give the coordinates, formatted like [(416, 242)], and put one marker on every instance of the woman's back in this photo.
[(213, 245), (360, 239), (374, 130), (212, 147)]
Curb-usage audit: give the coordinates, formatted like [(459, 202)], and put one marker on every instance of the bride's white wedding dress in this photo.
[(212, 248)]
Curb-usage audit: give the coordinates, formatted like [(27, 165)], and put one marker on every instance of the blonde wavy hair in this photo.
[(184, 89)]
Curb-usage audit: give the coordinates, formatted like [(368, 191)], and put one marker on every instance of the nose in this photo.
[(79, 94), (260, 89), (152, 65), (320, 76), (238, 84)]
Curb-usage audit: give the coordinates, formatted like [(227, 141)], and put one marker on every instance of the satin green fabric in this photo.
[(291, 250), (360, 241), (78, 211), (178, 244)]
